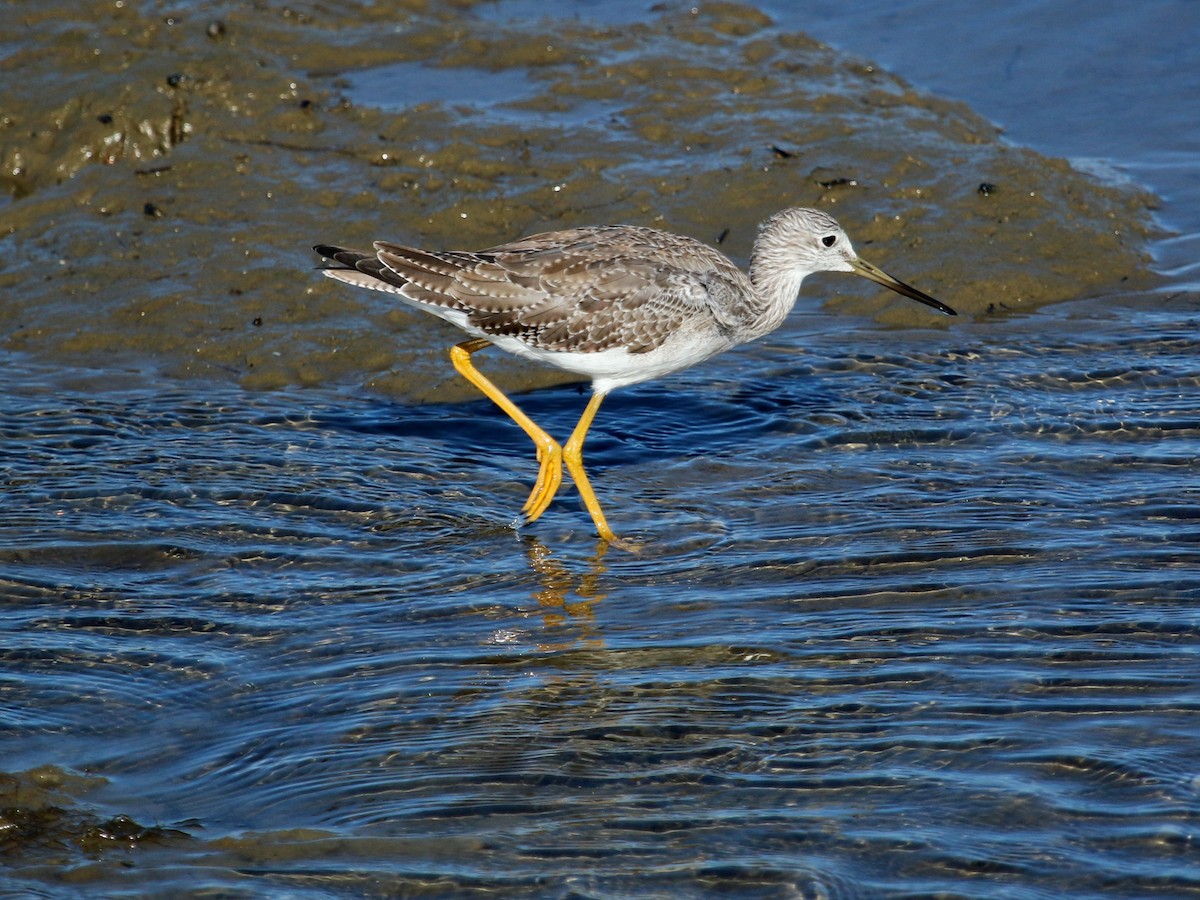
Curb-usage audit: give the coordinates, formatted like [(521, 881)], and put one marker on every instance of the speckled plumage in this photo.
[(617, 303)]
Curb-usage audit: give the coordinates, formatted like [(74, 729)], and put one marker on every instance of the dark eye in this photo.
[(829, 240)]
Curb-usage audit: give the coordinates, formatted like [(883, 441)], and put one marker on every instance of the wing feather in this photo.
[(584, 290)]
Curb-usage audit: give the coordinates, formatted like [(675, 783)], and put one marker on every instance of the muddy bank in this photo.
[(166, 180)]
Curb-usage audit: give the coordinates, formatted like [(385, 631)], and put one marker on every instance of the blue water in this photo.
[(914, 615)]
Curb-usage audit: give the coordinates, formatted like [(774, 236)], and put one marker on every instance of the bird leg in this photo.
[(573, 457), (549, 452)]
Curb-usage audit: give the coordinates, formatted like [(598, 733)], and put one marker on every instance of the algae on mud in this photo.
[(167, 179), (44, 823)]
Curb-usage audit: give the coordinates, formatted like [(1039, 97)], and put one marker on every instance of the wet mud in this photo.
[(48, 827), (166, 179)]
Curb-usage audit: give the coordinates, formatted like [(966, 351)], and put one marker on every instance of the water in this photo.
[(1121, 77), (916, 615)]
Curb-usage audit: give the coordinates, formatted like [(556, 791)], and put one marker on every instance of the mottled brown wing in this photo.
[(584, 290)]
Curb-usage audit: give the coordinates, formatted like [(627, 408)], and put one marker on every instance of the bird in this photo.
[(618, 304)]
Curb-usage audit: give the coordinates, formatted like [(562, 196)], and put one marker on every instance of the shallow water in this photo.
[(914, 613)]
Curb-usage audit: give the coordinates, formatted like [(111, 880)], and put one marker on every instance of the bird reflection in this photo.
[(567, 599)]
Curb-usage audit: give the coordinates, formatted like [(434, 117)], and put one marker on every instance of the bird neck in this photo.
[(775, 286)]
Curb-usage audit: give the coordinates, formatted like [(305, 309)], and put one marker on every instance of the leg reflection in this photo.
[(566, 598)]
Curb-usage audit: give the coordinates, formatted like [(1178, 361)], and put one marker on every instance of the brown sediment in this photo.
[(169, 174), (44, 822)]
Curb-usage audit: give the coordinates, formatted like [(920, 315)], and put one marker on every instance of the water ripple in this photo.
[(900, 616)]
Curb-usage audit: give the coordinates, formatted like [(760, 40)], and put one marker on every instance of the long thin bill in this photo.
[(866, 270)]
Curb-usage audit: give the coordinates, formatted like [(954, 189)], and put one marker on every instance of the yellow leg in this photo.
[(573, 457), (549, 453)]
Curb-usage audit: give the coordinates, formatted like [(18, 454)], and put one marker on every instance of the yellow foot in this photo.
[(550, 465)]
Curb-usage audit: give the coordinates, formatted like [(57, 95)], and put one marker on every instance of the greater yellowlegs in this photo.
[(617, 303)]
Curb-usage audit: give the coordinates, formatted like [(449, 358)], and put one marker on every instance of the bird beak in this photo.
[(866, 270)]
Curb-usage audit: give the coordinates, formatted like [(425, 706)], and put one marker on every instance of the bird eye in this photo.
[(829, 240)]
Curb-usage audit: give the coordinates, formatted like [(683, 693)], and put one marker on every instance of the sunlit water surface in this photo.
[(914, 612)]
